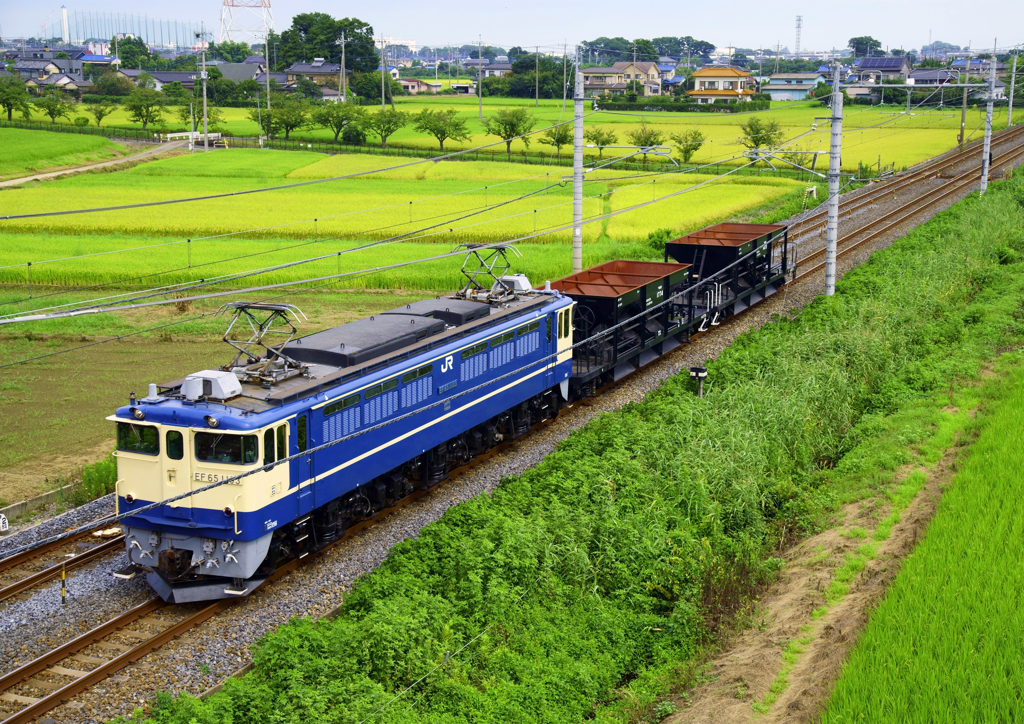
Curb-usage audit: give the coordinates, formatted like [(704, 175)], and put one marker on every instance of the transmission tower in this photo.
[(799, 24), (245, 21)]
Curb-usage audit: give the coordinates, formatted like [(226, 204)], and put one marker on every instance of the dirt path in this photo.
[(793, 623), (158, 149)]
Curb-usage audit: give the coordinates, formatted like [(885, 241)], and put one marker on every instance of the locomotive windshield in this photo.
[(215, 447), (138, 438)]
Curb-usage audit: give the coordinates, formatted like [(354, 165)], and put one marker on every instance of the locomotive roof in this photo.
[(729, 234), (350, 351)]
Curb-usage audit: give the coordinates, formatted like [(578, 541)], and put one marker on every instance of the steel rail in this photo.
[(945, 192), (24, 557), (47, 574), (818, 218)]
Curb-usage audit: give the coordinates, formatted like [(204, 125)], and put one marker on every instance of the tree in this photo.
[(864, 45), (13, 95), (230, 51), (317, 35), (383, 124), (821, 90), (759, 134), (509, 124), (290, 113), (635, 87), (688, 142), (645, 137), (54, 103), (175, 93), (336, 116), (557, 136), (645, 51), (99, 111), (62, 56), (442, 125), (145, 106), (113, 84), (600, 138), (132, 52), (187, 113), (514, 52), (367, 85), (308, 89), (145, 80)]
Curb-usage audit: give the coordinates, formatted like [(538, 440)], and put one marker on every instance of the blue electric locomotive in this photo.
[(307, 391)]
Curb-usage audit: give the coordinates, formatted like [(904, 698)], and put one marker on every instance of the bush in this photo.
[(670, 105), (353, 136), (81, 121), (659, 237)]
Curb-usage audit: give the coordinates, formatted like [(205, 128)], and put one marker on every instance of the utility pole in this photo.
[(202, 45), (577, 170), (565, 60), (480, 76), (987, 150), (962, 139), (383, 70), (834, 156), (536, 76), (342, 85), (1013, 80)]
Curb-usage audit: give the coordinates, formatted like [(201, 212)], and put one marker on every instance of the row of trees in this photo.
[(605, 50)]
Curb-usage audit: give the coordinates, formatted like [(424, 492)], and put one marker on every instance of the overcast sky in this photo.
[(896, 23)]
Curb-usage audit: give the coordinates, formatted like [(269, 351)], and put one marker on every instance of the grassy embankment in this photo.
[(907, 141), (944, 645), (582, 588), (28, 152)]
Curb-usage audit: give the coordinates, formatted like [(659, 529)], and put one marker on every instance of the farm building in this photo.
[(416, 86)]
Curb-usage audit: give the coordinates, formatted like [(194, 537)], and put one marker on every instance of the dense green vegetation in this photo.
[(950, 623), (578, 588), (26, 152)]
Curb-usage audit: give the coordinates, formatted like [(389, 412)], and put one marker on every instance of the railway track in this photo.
[(21, 572), (59, 675), (817, 220), (874, 229)]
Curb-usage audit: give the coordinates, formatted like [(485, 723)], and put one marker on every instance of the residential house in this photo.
[(392, 71), (187, 78), (39, 68), (792, 86), (239, 72), (979, 66), (875, 70), (615, 80), (283, 81), (932, 76), (496, 69), (415, 86), (828, 71), (319, 71), (666, 71), (255, 60), (60, 80), (725, 84)]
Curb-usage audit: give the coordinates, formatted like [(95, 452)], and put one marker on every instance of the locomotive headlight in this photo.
[(211, 421), (139, 414)]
